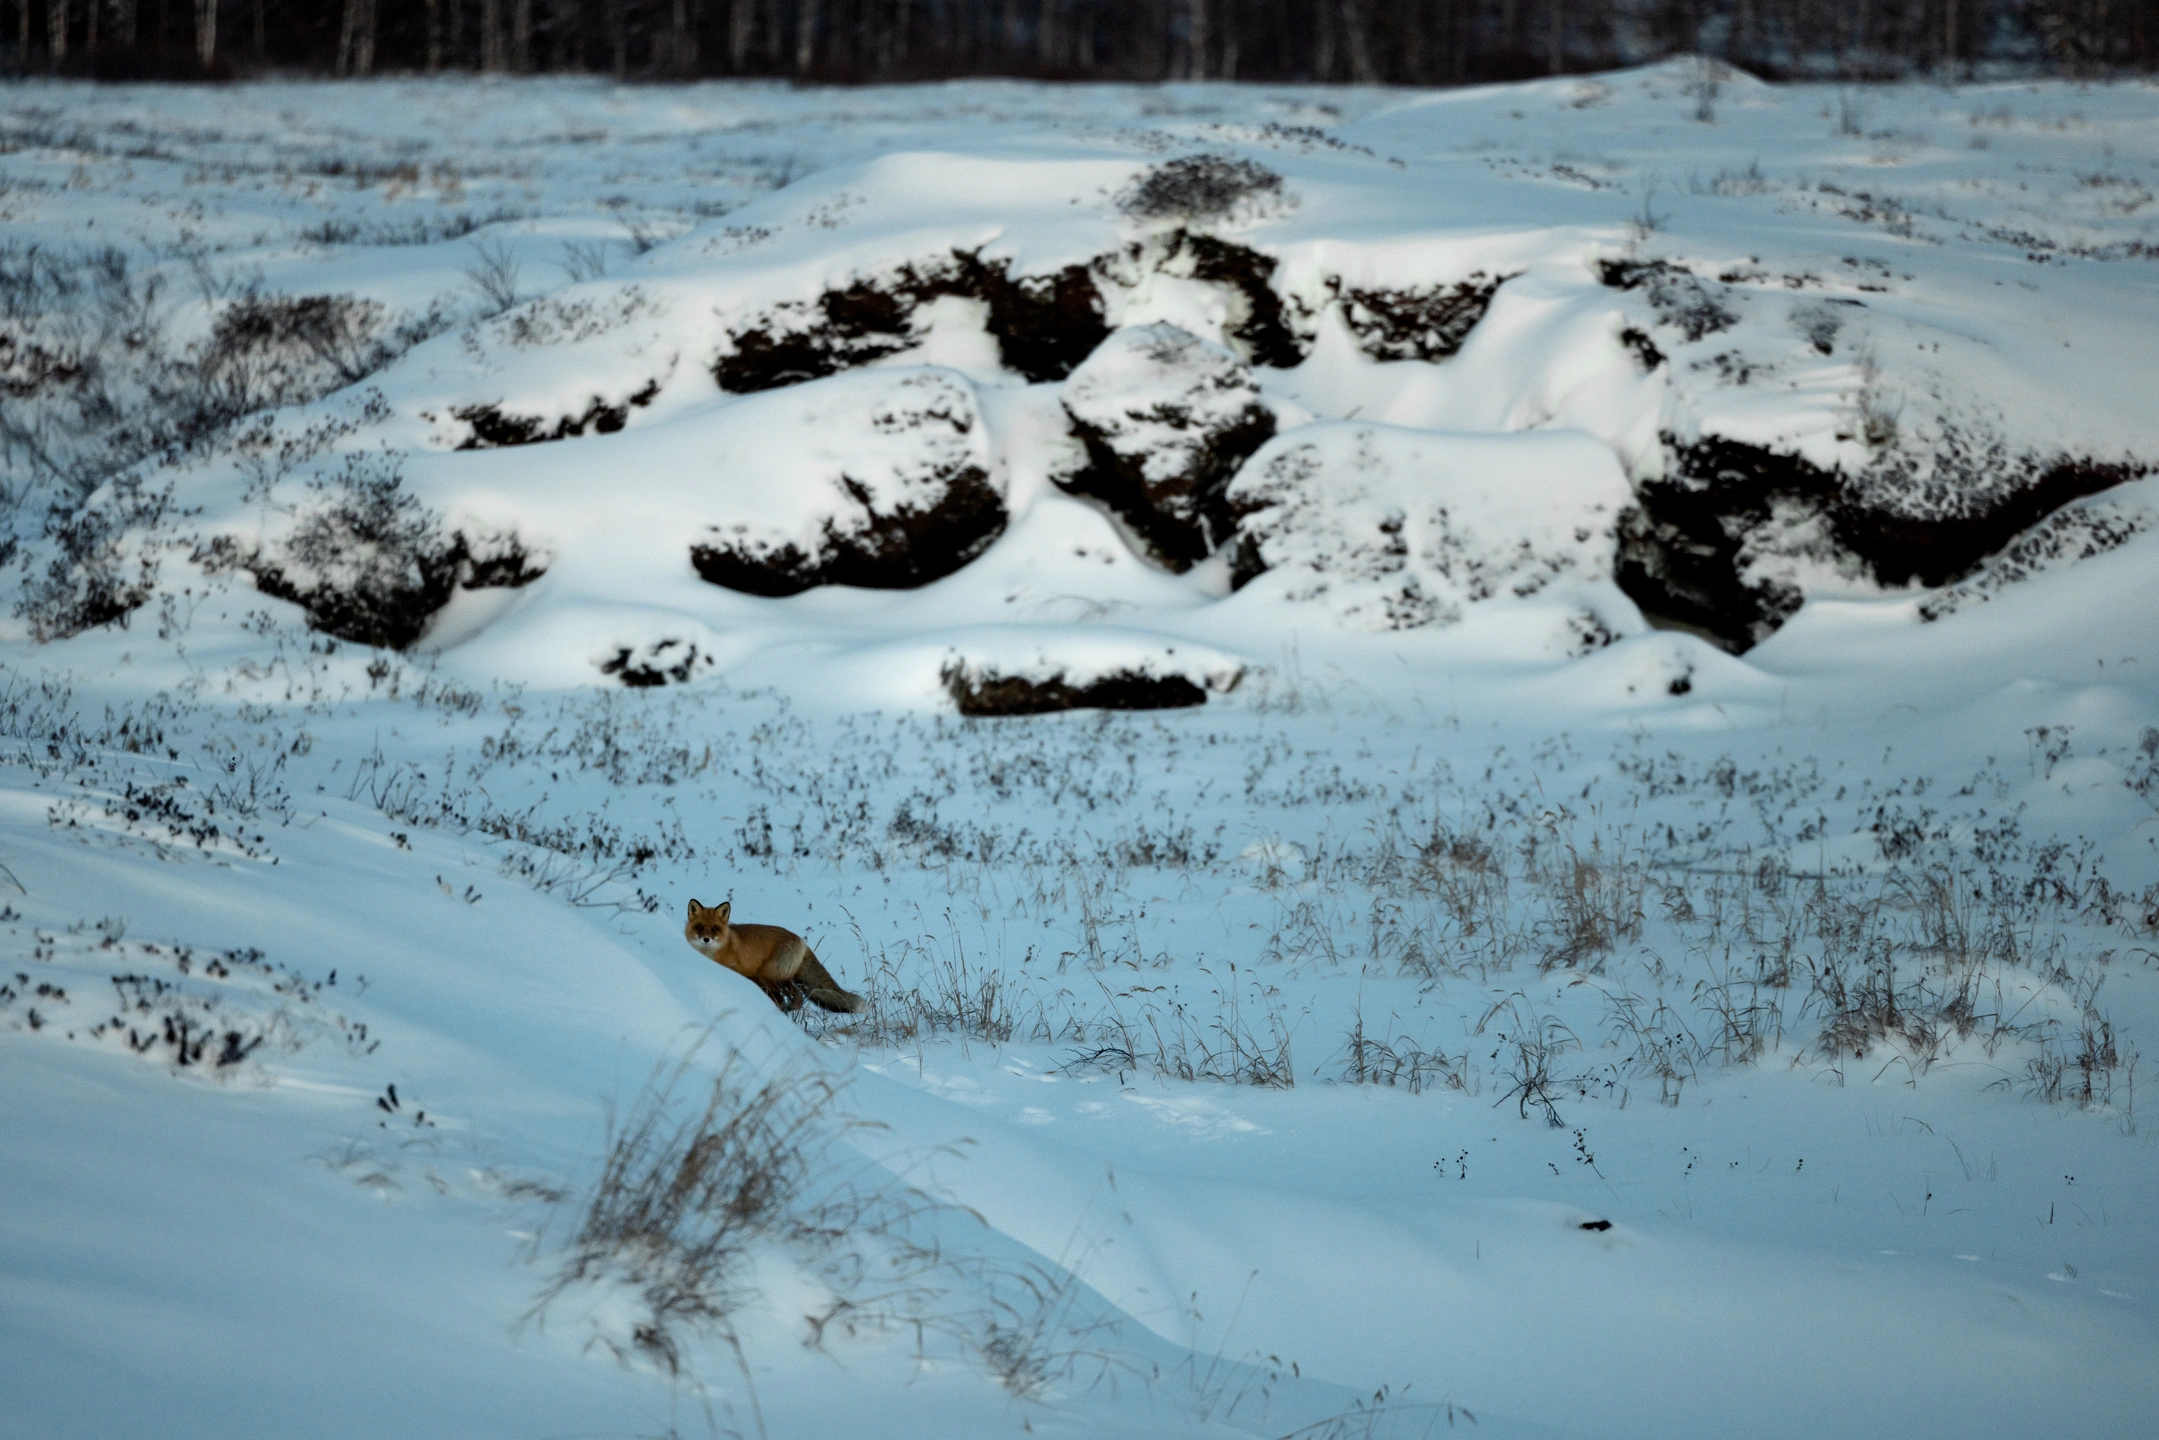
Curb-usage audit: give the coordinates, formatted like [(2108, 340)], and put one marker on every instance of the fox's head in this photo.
[(707, 928)]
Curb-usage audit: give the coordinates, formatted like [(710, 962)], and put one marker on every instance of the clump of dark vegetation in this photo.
[(493, 427), (1681, 551), (983, 692), (1641, 347), (1166, 419), (92, 576), (899, 548), (269, 350), (2065, 537), (1418, 322), (1259, 321), (1044, 324), (1201, 190), (369, 563), (93, 384), (1679, 299), (1931, 517), (660, 663), (692, 1185)]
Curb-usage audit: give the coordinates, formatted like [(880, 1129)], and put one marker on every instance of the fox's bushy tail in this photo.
[(844, 1001)]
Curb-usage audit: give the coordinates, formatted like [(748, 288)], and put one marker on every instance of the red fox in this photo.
[(778, 960)]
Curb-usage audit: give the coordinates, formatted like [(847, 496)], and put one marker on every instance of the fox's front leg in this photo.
[(787, 994)]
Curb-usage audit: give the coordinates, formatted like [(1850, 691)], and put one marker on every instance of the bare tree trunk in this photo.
[(1323, 40), (262, 29), (206, 32), (434, 34), (1555, 40), (1047, 42), (806, 36), (1359, 42), (520, 36), (740, 16), (491, 36), (56, 31), (678, 37), (618, 38), (1197, 39)]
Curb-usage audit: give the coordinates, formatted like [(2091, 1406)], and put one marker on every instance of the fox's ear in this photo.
[(696, 909), (722, 910)]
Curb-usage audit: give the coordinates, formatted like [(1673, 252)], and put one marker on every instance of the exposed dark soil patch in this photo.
[(1044, 324), (893, 550), (986, 693), (1166, 419), (1642, 348), (1419, 323), (663, 663), (1680, 300), (1977, 498), (390, 608), (1681, 551), (1263, 326), (493, 428)]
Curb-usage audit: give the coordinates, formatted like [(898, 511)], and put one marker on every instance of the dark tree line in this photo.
[(1420, 42)]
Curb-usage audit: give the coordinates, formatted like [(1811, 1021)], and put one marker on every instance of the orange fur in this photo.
[(778, 960)]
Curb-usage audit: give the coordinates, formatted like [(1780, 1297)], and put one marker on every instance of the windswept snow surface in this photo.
[(1487, 1011)]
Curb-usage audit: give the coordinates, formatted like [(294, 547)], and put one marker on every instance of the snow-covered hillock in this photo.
[(1166, 418), (1621, 903), (1397, 529), (1817, 388)]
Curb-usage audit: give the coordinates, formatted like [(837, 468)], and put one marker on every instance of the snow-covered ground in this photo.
[(1642, 922)]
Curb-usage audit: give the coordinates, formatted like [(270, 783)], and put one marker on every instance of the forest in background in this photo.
[(1405, 42)]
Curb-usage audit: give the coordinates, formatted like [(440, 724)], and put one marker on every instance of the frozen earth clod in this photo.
[(1166, 418)]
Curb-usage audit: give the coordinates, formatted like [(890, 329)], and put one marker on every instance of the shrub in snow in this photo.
[(1205, 189), (493, 427), (883, 481), (1166, 419), (985, 691), (369, 563), (1678, 298), (92, 575), (1399, 528), (282, 349), (1427, 322)]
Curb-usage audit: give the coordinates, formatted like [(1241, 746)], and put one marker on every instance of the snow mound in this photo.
[(1019, 671), (1395, 529), (1166, 419), (879, 479)]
